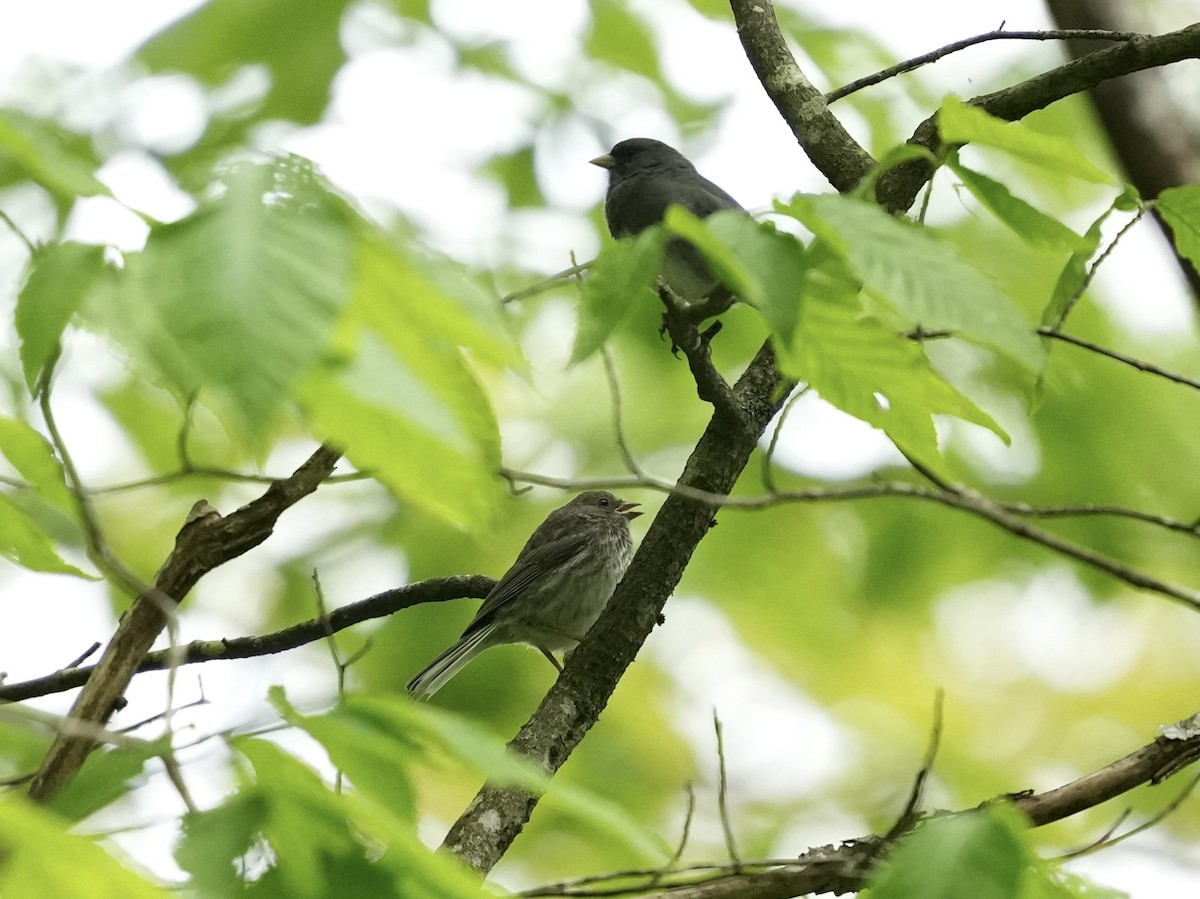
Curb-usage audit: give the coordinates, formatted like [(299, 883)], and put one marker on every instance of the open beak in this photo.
[(605, 162), (626, 509)]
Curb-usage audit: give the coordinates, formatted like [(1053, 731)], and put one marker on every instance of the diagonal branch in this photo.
[(201, 545)]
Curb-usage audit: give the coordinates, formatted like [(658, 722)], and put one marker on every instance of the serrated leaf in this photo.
[(924, 281), (60, 276), (25, 542), (978, 855), (622, 276), (1029, 223), (34, 459), (1180, 209), (962, 123), (866, 369), (45, 154), (240, 298), (417, 420), (42, 859)]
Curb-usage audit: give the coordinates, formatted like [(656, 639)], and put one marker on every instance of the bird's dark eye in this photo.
[(604, 501)]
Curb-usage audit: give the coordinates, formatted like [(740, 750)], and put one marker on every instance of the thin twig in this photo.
[(722, 801), (917, 62), (912, 807), (548, 283), (15, 228), (1147, 367), (1095, 267), (82, 657), (768, 462)]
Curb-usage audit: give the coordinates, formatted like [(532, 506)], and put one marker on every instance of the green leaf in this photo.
[(962, 123), (215, 840), (769, 265), (240, 298), (46, 153), (517, 176), (25, 542), (34, 459), (321, 839), (1071, 280), (297, 41), (622, 38), (440, 736), (376, 762), (978, 855), (417, 420), (866, 369), (721, 258), (1180, 209), (104, 778), (921, 279), (42, 859), (60, 276), (1029, 223), (622, 276)]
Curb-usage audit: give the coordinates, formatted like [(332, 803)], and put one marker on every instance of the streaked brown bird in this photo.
[(554, 592)]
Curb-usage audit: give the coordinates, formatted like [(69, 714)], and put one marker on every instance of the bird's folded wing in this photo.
[(530, 565)]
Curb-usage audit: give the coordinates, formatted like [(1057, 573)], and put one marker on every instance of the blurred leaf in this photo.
[(104, 778), (622, 276), (1180, 208), (48, 154), (327, 844), (60, 276), (978, 855), (516, 175), (214, 841), (296, 40), (42, 859), (962, 123), (442, 736), (417, 420), (34, 459), (1029, 223), (25, 542), (622, 38), (240, 298), (375, 762), (920, 278)]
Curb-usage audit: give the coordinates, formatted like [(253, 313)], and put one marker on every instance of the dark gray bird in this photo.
[(645, 176), (554, 592)]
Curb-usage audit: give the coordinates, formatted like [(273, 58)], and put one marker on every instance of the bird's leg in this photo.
[(550, 656)]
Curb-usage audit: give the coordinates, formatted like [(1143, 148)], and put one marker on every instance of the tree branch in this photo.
[(897, 188), (473, 586), (201, 545)]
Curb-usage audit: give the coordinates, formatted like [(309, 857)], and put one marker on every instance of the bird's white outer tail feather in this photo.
[(434, 675)]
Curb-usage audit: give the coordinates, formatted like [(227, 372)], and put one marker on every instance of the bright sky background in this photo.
[(368, 147)]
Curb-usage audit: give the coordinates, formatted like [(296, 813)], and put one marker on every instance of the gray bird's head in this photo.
[(602, 502), (640, 154)]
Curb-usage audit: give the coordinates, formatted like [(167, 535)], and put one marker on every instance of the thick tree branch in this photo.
[(496, 815), (897, 188), (201, 545), (474, 586), (846, 868)]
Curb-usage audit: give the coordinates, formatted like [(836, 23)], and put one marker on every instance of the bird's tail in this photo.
[(433, 676)]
